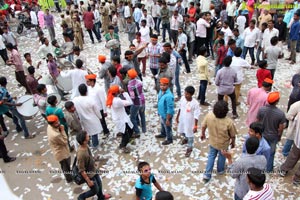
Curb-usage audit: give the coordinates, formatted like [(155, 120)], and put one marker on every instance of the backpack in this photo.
[(76, 175)]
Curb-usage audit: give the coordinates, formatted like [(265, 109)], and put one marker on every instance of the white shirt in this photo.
[(268, 34), (138, 46), (230, 8), (175, 23), (33, 18), (241, 21), (78, 77), (127, 12), (155, 11), (227, 34), (182, 40), (99, 95), (82, 58), (96, 16), (118, 113), (238, 64), (189, 111), (88, 113), (251, 37), (2, 45), (145, 33), (172, 8), (149, 20), (201, 28), (204, 5), (44, 50)]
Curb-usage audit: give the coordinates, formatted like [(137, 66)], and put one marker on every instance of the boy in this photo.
[(187, 118), (114, 79), (272, 53), (221, 53), (115, 60), (262, 73), (143, 184)]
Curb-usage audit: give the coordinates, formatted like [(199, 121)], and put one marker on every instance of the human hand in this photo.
[(18, 104), (105, 114), (203, 137), (61, 128), (226, 154)]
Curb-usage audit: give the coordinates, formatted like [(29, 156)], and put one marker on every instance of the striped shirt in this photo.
[(135, 90), (152, 51), (265, 194)]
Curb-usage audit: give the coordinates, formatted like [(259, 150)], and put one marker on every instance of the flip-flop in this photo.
[(107, 196)]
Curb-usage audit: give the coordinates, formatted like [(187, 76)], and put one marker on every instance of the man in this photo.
[(88, 19), (44, 49), (103, 70), (251, 39), (294, 37), (137, 15), (3, 150), (31, 81), (145, 31), (239, 40), (97, 22), (9, 104), (182, 48), (111, 35), (165, 111), (281, 26), (272, 54), (58, 142), (225, 80), (88, 112), (190, 30), (222, 133), (78, 39), (238, 169), (28, 62), (231, 10), (149, 21), (99, 95), (77, 76), (104, 11), (121, 18), (241, 22), (3, 52), (202, 24), (155, 13), (138, 43), (231, 47), (130, 29), (227, 32), (154, 53), (268, 34), (49, 23), (274, 121), (9, 37), (78, 55), (256, 98), (165, 21), (15, 59)]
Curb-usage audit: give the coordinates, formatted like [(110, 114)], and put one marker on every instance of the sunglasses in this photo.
[(147, 170)]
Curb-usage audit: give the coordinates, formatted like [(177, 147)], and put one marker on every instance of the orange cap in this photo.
[(101, 58), (52, 118), (110, 96), (268, 80), (132, 73), (164, 80), (91, 77), (273, 97)]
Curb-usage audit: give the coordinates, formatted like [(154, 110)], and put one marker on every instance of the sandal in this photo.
[(107, 196), (30, 137), (188, 152), (125, 150)]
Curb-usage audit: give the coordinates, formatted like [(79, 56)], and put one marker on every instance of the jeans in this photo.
[(97, 28), (209, 46), (177, 82), (155, 71), (272, 142), (251, 51), (236, 197), (115, 52), (3, 54), (202, 91), (166, 130), (190, 142), (135, 111), (258, 52), (96, 189), (218, 67), (174, 34), (212, 154), (191, 47), (184, 58), (95, 141), (166, 27), (16, 118), (287, 147), (157, 21), (137, 26)]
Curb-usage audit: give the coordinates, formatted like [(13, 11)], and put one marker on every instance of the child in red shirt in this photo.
[(116, 62), (221, 54), (262, 73)]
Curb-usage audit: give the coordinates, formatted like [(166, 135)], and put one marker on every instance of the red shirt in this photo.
[(192, 12), (261, 74), (221, 54), (88, 18), (118, 67)]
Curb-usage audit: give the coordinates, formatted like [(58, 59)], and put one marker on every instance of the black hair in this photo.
[(43, 40), (167, 44), (144, 21), (167, 56), (226, 22), (256, 176), (69, 104), (141, 165), (123, 70), (154, 36), (227, 61), (110, 27), (49, 54), (40, 87), (31, 69), (235, 29), (266, 85), (257, 127), (3, 81), (238, 52), (220, 109), (128, 52), (164, 195), (54, 42), (274, 40), (82, 89), (116, 59), (80, 137), (252, 21), (9, 46), (26, 54), (89, 8), (231, 42), (252, 144), (138, 34), (221, 42), (190, 90), (79, 63), (202, 50), (262, 64), (76, 48), (52, 100), (113, 71), (264, 24), (273, 21)]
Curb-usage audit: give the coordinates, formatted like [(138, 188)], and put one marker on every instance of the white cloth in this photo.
[(251, 37), (78, 77), (176, 22), (265, 194), (201, 28), (99, 95), (293, 117), (96, 16), (205, 5), (268, 34), (227, 34), (127, 12), (149, 20), (182, 40), (88, 113), (241, 22), (118, 113), (138, 46), (231, 8), (238, 64), (82, 58), (44, 50), (145, 33), (33, 17), (2, 45), (189, 111)]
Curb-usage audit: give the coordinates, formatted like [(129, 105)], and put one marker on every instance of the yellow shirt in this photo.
[(202, 65)]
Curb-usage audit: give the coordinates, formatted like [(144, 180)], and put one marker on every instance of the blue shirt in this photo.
[(144, 190), (239, 42), (230, 52), (294, 32), (263, 149), (4, 95), (165, 103), (137, 15)]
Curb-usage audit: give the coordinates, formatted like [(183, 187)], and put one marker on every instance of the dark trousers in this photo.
[(2, 123), (174, 35), (272, 73), (209, 47), (191, 48), (184, 58), (21, 78), (202, 91), (57, 7), (90, 31), (233, 101), (166, 27), (199, 43), (137, 26), (3, 151), (103, 123), (126, 136), (251, 51), (154, 72), (231, 22), (3, 54), (95, 190), (65, 167)]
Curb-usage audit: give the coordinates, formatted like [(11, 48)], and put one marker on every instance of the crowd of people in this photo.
[(217, 33)]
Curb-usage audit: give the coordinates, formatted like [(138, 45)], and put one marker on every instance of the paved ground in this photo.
[(33, 176)]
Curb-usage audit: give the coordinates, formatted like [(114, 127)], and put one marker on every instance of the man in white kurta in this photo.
[(77, 76), (88, 113)]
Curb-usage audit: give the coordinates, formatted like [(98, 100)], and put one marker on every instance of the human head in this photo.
[(221, 35), (164, 83), (111, 29), (31, 70), (112, 92), (138, 36), (226, 24), (69, 106), (54, 43), (144, 169), (180, 29), (296, 16), (264, 26), (79, 63), (132, 74), (53, 121), (263, 64), (52, 100), (27, 56), (4, 29), (227, 61), (189, 91), (101, 58), (143, 22), (49, 57), (236, 32), (9, 47), (256, 129), (252, 144), (41, 88), (163, 63), (202, 50), (238, 52), (280, 17), (232, 44), (164, 195), (252, 23), (221, 42), (273, 98), (167, 47), (82, 138), (112, 71), (256, 178), (3, 81), (128, 55), (82, 88), (274, 40), (271, 24), (90, 79), (76, 50), (145, 12), (220, 109), (115, 60), (267, 84), (154, 39)]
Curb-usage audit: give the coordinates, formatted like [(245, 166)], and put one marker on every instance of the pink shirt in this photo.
[(256, 98), (16, 59)]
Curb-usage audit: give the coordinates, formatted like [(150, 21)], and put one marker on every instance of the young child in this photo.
[(220, 35), (115, 60), (262, 73), (187, 118), (272, 54), (143, 184), (221, 53)]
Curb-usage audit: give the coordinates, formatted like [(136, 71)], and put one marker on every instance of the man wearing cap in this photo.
[(256, 98), (58, 142), (274, 121), (135, 90), (99, 95), (165, 111), (103, 70)]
